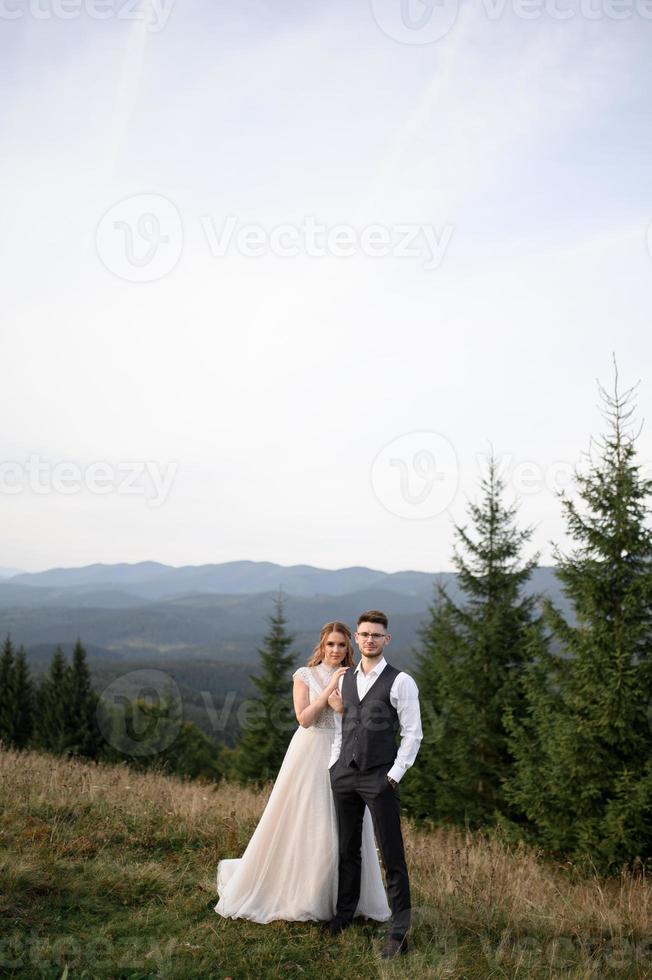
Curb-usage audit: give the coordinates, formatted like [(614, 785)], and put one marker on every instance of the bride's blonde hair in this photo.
[(326, 630)]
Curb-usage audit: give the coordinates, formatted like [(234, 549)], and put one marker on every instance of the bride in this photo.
[(289, 868)]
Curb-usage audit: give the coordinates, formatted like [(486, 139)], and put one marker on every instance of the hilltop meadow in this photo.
[(106, 872)]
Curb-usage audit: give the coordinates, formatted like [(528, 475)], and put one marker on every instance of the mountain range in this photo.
[(203, 624), (213, 611)]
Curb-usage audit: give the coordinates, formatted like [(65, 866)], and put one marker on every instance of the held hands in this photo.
[(334, 696), (335, 701), (334, 681)]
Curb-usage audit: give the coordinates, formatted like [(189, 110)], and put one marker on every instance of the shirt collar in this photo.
[(377, 669)]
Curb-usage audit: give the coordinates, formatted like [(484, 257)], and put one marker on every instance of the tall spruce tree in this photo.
[(52, 718), (7, 693), (471, 654), (83, 737), (24, 702), (66, 720), (268, 727), (583, 772), (16, 697)]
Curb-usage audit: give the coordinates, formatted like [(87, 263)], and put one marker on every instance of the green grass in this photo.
[(109, 873)]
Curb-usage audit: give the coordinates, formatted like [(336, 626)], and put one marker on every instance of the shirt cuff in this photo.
[(395, 773)]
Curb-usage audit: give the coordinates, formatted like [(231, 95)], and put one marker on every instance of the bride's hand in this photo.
[(334, 681), (335, 701)]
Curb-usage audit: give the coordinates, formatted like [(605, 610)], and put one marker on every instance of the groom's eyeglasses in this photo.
[(371, 636)]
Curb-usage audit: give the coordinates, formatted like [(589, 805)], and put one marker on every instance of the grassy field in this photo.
[(108, 873)]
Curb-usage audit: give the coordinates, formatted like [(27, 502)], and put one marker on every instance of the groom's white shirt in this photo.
[(404, 696)]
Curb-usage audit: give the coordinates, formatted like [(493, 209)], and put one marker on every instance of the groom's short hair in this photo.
[(373, 616)]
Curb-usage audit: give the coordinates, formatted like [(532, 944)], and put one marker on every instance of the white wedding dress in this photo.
[(289, 868)]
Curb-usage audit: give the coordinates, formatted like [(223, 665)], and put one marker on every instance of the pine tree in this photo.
[(471, 655), (24, 700), (583, 772), (52, 719), (7, 692), (16, 697), (268, 728), (83, 736)]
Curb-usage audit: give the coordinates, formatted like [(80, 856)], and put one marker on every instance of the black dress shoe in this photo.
[(337, 925), (394, 947)]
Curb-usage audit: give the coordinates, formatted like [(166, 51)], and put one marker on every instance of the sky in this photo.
[(277, 277)]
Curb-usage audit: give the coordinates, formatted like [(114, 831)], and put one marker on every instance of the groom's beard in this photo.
[(372, 654)]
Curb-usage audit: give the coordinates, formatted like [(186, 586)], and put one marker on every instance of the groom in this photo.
[(378, 702)]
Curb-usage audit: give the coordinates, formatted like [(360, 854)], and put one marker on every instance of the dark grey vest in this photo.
[(370, 726)]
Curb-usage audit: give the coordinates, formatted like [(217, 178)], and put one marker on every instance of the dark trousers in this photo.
[(352, 790)]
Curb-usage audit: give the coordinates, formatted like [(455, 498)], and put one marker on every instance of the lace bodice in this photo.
[(317, 678)]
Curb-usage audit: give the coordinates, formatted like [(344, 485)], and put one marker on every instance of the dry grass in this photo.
[(514, 884), (112, 873)]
